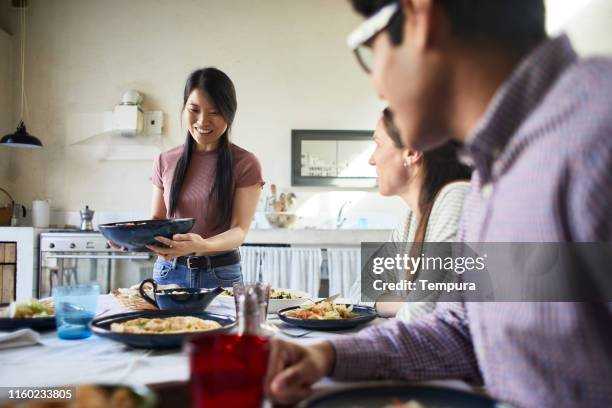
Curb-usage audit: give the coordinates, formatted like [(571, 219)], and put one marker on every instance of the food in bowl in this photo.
[(409, 404), (274, 294), (281, 219), (284, 294), (279, 298), (178, 298), (135, 235), (167, 325), (29, 309), (322, 311)]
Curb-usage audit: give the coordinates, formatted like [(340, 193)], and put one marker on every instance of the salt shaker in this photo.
[(249, 313)]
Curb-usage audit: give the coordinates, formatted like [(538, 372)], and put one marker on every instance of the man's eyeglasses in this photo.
[(360, 39)]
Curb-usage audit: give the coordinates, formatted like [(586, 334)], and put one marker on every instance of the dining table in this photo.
[(54, 362)]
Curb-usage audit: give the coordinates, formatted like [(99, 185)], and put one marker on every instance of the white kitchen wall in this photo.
[(287, 58), (586, 21)]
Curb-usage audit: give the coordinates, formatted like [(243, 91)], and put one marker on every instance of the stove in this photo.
[(74, 241), (70, 257)]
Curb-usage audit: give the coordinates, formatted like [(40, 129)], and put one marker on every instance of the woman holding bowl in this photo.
[(210, 179)]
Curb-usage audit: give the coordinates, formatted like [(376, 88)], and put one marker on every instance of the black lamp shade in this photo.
[(21, 138)]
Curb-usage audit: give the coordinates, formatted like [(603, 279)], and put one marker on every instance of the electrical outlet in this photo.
[(154, 121)]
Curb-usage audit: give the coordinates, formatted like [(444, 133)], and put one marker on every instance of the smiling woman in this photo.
[(210, 179)]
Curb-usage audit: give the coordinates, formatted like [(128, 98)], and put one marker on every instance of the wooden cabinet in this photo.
[(8, 268)]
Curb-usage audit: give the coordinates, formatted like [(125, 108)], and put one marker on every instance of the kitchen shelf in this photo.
[(116, 138)]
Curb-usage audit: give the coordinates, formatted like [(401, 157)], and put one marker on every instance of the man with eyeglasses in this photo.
[(535, 120)]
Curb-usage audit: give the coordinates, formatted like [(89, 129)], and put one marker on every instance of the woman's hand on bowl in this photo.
[(179, 245), (119, 247)]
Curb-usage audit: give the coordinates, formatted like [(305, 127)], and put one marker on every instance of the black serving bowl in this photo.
[(179, 298), (134, 235)]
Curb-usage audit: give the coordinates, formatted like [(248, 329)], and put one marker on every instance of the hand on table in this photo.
[(293, 369), (179, 245)]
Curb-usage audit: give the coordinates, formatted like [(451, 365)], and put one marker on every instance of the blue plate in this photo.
[(101, 327), (134, 235), (365, 314), (372, 396), (35, 323)]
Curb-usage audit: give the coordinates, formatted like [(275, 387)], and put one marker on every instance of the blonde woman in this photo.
[(433, 185)]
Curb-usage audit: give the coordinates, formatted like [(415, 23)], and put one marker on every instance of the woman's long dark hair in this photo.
[(220, 89), (442, 166)]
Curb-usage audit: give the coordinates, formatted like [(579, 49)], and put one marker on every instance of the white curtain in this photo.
[(344, 270), (292, 268), (250, 259)]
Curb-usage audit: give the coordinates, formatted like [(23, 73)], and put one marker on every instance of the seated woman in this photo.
[(210, 179), (433, 185)]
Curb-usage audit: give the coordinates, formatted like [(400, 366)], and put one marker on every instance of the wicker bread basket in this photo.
[(131, 299), (132, 302)]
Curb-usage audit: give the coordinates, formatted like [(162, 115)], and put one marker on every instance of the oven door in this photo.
[(111, 270)]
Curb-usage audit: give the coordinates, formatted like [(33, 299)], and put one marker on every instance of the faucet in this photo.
[(339, 219)]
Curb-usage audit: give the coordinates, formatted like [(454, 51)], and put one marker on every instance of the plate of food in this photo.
[(279, 298), (134, 235), (326, 315), (34, 314), (400, 396), (159, 329)]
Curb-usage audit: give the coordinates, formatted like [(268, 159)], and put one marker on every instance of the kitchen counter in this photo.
[(316, 237)]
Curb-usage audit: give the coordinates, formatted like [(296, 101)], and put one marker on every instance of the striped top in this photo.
[(444, 218), (195, 198), (542, 156), (441, 227)]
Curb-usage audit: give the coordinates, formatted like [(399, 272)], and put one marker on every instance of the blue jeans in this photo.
[(168, 272)]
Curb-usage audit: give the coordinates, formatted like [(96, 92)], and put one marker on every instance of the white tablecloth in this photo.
[(96, 360), (57, 361)]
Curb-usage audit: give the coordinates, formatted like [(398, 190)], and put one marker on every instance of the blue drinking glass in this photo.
[(75, 308)]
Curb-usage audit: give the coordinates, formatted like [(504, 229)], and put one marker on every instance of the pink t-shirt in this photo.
[(195, 196)]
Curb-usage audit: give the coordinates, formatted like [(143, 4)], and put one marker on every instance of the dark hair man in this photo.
[(535, 122)]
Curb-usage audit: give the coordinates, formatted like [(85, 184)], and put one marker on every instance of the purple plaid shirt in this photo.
[(542, 155)]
